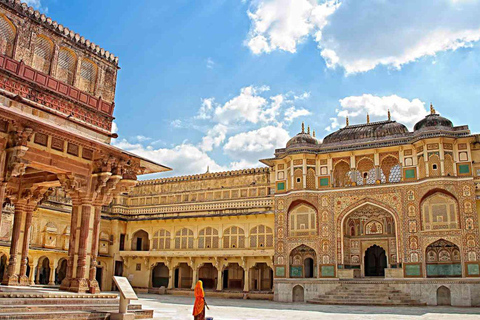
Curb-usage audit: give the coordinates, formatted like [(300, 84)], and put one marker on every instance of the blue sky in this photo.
[(222, 83)]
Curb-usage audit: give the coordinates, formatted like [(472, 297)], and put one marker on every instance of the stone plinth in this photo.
[(348, 273), (391, 273)]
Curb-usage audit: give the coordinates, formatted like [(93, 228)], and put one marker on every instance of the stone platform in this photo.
[(50, 303), (450, 291), (223, 294)]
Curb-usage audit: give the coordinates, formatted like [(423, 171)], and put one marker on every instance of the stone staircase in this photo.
[(353, 293), (82, 307)]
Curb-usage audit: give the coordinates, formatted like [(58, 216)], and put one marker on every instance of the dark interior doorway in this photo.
[(375, 262), (308, 267), (98, 277)]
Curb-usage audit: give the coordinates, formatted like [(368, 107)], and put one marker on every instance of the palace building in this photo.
[(371, 204)]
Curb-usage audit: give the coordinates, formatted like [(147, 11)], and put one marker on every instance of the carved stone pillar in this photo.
[(76, 207), (11, 276), (219, 279), (171, 273), (94, 287), (194, 277), (80, 282), (3, 187), (23, 279), (51, 278), (246, 280), (31, 280)]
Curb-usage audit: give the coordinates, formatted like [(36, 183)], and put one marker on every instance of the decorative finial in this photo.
[(308, 129), (389, 116), (303, 127), (432, 109), (368, 118), (314, 133), (208, 169), (347, 121)]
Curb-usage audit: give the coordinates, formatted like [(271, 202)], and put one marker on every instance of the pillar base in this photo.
[(79, 285), (10, 280), (51, 283), (65, 284), (24, 281), (94, 287)]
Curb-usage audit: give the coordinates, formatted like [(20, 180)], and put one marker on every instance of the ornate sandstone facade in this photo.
[(370, 200)]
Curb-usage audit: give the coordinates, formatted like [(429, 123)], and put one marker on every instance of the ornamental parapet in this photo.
[(57, 96)]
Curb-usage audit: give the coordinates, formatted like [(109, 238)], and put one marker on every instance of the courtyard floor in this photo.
[(169, 307)]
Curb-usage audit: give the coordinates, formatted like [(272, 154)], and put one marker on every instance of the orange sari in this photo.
[(199, 306)]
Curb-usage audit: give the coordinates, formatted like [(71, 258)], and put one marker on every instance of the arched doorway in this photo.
[(61, 271), (302, 262), (233, 277), (183, 276), (3, 265), (160, 276), (298, 294), (43, 271), (308, 267), (261, 276), (375, 262), (369, 240), (208, 274), (140, 241), (444, 296), (443, 260)]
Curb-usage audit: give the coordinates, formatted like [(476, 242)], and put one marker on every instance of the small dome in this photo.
[(372, 130), (433, 121), (302, 139)]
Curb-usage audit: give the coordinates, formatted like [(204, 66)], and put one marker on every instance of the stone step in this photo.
[(58, 315), (53, 301), (77, 315), (63, 307)]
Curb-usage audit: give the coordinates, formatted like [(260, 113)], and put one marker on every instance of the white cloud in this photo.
[(356, 108), (114, 127), (253, 145), (293, 113), (254, 109), (184, 158), (210, 63), (360, 35), (214, 137), (282, 24), (205, 111), (248, 106)]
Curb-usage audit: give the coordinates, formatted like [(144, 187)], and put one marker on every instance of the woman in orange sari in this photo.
[(200, 304)]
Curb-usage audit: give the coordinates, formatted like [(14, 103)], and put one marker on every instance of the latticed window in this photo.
[(340, 174), (434, 166), (439, 211), (161, 240), (310, 178), (67, 62), (303, 221), (388, 165), (43, 53), (261, 237), (8, 33), (88, 76), (421, 167), (448, 164), (234, 237), (184, 239), (208, 238), (298, 179), (367, 172)]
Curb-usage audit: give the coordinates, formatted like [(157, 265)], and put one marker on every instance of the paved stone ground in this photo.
[(180, 308)]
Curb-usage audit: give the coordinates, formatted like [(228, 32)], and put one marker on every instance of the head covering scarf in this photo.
[(199, 298)]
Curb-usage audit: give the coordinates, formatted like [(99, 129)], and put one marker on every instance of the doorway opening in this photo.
[(375, 262)]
